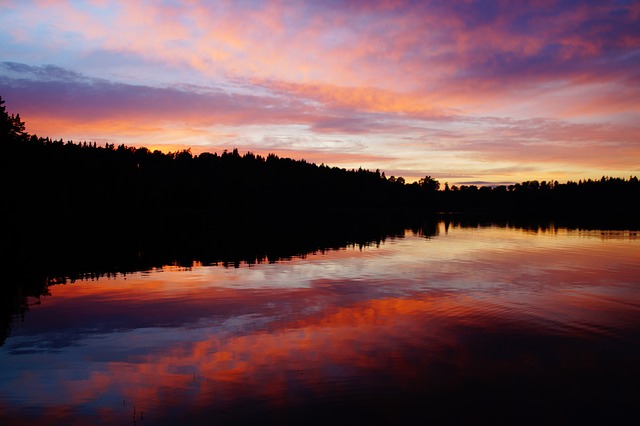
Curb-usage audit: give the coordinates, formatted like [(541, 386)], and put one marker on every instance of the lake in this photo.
[(453, 324)]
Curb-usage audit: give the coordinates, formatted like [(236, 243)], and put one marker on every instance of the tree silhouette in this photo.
[(11, 126), (58, 177), (429, 184)]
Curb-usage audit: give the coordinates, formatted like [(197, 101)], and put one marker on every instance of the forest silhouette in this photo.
[(61, 180)]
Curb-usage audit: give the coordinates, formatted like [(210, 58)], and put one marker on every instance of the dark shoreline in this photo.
[(129, 240)]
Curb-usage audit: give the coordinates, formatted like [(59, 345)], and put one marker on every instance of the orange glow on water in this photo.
[(330, 324)]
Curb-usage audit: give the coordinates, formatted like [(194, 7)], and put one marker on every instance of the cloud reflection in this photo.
[(413, 317)]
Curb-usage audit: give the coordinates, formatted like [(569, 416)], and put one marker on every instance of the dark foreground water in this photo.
[(468, 325)]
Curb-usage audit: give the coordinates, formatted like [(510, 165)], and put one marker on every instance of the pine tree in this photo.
[(11, 127)]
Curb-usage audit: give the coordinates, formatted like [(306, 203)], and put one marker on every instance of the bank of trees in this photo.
[(58, 178), (56, 175), (49, 176), (607, 197)]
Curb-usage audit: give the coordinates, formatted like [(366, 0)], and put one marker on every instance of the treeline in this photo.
[(57, 178), (57, 175), (606, 199), (52, 176)]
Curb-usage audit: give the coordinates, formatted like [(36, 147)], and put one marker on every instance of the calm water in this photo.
[(469, 325)]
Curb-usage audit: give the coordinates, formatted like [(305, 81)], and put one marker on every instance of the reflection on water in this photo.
[(471, 325)]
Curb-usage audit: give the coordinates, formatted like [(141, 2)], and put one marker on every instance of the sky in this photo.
[(468, 92)]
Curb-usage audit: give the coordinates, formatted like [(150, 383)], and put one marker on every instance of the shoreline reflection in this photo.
[(484, 323)]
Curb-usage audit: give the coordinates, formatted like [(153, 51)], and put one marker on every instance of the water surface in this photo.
[(469, 325)]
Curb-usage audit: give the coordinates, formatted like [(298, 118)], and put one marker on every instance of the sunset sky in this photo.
[(482, 92)]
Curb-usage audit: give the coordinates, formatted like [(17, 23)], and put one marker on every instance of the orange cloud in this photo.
[(360, 99)]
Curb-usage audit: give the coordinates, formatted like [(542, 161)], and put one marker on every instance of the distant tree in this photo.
[(429, 184)]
